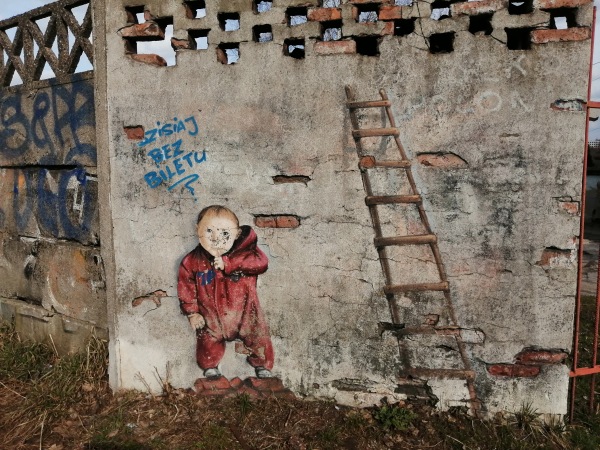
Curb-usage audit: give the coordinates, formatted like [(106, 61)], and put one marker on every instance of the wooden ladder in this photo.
[(381, 242)]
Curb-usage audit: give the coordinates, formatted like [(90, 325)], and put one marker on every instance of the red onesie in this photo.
[(227, 299)]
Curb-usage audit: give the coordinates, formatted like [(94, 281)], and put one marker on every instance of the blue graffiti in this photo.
[(63, 202), (190, 125), (49, 126)]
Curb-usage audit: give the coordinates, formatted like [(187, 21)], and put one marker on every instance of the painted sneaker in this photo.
[(212, 373), (261, 372)]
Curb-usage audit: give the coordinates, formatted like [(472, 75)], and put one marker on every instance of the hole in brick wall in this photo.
[(367, 45), (296, 16), (403, 27), (284, 179), (562, 18), (481, 23), (520, 7), (440, 9), (228, 53), (262, 6), (518, 38), (161, 48), (200, 38), (332, 30), (441, 42), (195, 9), (367, 12), (294, 48), (330, 3), (229, 21), (403, 2), (135, 14), (262, 33)]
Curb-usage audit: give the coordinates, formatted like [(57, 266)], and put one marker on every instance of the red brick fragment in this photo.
[(335, 47), (265, 222), (569, 34), (390, 12), (236, 383), (265, 384), (442, 160), (253, 393), (556, 257), (514, 370), (149, 58), (570, 207), (550, 4), (287, 221), (134, 133), (212, 384), (536, 357), (324, 14), (181, 44), (478, 7), (147, 31), (388, 28)]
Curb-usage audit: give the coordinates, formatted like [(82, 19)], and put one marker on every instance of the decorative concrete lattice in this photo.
[(49, 37)]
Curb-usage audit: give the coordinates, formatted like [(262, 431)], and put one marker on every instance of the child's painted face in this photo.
[(217, 233)]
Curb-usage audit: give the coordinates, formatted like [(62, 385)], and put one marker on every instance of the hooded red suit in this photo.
[(227, 299)]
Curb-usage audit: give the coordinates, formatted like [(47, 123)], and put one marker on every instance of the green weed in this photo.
[(394, 418)]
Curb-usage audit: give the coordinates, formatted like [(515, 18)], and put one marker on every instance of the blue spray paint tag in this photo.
[(206, 277)]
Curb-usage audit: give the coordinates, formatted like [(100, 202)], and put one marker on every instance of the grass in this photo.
[(65, 403)]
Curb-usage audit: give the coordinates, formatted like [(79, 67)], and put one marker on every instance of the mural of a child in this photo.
[(217, 292)]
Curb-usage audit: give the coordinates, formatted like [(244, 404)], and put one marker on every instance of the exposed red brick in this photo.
[(368, 162), (335, 47), (479, 7), (287, 222), (431, 319), (134, 133), (149, 58), (253, 393), (265, 384), (513, 370), (570, 34), (212, 384), (241, 349), (536, 357), (324, 14), (147, 31), (181, 44), (549, 4), (387, 12), (388, 28), (443, 160), (221, 56), (236, 383), (556, 257), (570, 207), (265, 222)]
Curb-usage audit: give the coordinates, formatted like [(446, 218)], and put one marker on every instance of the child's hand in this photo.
[(196, 321), (218, 263)]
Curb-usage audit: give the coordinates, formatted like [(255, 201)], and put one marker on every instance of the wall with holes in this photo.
[(52, 279), (243, 105)]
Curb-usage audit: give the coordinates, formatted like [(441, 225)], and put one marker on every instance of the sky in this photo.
[(9, 8)]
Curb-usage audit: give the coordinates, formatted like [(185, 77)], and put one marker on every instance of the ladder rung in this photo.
[(372, 132), (369, 162), (438, 373), (406, 240), (389, 199), (419, 287), (370, 104)]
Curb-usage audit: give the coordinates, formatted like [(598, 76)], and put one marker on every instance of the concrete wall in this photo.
[(497, 157), (50, 263)]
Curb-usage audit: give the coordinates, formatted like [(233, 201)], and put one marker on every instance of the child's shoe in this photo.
[(261, 372), (212, 373)]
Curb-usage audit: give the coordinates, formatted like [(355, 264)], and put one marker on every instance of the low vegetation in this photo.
[(54, 403)]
